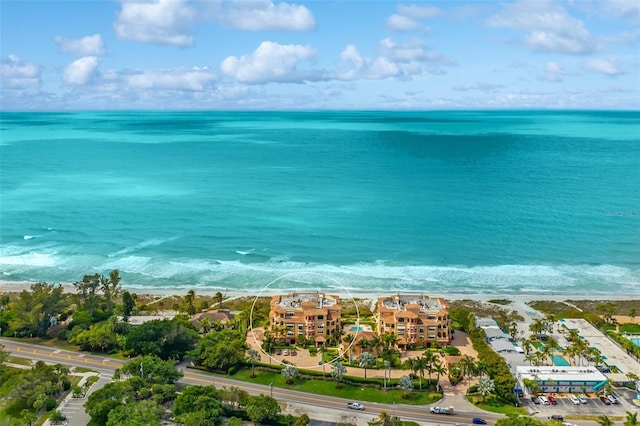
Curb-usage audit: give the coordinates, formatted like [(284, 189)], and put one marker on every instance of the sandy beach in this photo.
[(519, 300)]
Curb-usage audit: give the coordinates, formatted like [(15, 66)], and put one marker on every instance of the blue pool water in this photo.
[(635, 341), (355, 328), (560, 361)]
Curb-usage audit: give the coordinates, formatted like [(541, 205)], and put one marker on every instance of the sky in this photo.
[(322, 54)]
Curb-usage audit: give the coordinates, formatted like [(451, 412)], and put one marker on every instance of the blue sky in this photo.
[(323, 54)]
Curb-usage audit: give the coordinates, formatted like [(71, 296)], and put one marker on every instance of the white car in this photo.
[(613, 399), (355, 406), (582, 399), (574, 399), (543, 399)]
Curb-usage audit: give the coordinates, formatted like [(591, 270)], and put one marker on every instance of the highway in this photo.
[(318, 407)]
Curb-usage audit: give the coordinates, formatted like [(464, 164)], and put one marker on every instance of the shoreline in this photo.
[(522, 297)]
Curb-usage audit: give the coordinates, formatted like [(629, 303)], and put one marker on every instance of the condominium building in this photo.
[(415, 320), (308, 316)]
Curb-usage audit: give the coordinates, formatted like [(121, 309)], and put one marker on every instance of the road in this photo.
[(318, 407)]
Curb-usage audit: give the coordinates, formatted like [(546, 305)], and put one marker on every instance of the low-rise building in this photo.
[(416, 320), (555, 379), (308, 316)]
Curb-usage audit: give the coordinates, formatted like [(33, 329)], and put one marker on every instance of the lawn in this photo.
[(330, 388)]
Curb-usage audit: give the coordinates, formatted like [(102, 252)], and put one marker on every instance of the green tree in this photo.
[(631, 419), (289, 372), (303, 420), (32, 310), (189, 303), (128, 305), (518, 421), (485, 387), (221, 350), (153, 369), (604, 420), (198, 402), (253, 356), (136, 413), (262, 407), (406, 385), (4, 355), (338, 371), (164, 338), (28, 417), (366, 360)]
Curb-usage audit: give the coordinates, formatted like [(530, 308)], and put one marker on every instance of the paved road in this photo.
[(317, 406)]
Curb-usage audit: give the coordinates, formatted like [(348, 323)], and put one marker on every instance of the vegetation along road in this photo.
[(107, 366)]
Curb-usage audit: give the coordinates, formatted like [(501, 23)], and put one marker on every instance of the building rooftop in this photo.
[(307, 300), (402, 302), (557, 373)]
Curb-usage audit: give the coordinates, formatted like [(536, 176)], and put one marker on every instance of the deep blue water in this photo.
[(499, 201)]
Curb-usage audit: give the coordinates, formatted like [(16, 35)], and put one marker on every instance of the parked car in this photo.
[(543, 400), (278, 352), (574, 399), (535, 400), (294, 353), (613, 399), (557, 417), (478, 421), (355, 406), (552, 400), (582, 399), (285, 352), (605, 400)]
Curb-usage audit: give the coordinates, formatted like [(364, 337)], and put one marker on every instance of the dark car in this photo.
[(605, 400), (478, 421), (557, 417), (535, 400)]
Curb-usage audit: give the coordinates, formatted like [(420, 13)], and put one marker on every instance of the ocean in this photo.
[(492, 202)]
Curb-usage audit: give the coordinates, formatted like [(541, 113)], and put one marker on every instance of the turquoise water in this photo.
[(560, 361), (354, 329), (461, 201), (635, 341)]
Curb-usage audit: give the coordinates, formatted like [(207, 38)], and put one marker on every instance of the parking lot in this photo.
[(593, 407)]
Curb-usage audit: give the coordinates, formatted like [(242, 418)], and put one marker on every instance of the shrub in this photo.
[(50, 404)]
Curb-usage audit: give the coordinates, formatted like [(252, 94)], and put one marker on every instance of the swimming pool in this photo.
[(356, 328), (560, 361), (635, 340)]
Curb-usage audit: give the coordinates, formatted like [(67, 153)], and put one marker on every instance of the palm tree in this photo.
[(289, 372), (439, 369), (366, 359), (253, 356), (429, 358), (466, 365), (631, 420), (633, 313), (419, 366), (485, 387), (348, 339), (338, 371), (406, 384), (605, 421)]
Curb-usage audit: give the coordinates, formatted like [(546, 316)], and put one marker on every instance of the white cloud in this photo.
[(553, 71), (263, 15), (395, 60), (16, 74), (407, 16), (479, 86), (603, 66), (190, 79), (85, 46), (81, 72), (622, 8), (551, 28), (418, 12), (158, 21), (270, 62), (403, 23)]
